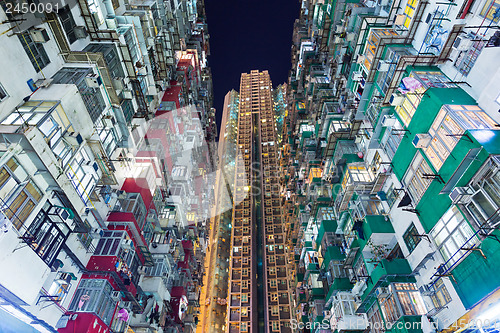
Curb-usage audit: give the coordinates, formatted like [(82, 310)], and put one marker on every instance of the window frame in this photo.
[(411, 237), (34, 51)]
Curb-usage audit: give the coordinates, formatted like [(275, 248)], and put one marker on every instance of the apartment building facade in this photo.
[(390, 164)]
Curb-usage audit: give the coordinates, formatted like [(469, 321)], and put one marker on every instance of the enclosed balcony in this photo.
[(401, 302), (376, 238), (115, 255), (344, 316), (95, 302), (357, 178)]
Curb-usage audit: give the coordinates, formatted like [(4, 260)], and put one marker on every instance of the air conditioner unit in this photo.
[(388, 120), (116, 295), (39, 35), (127, 94), (462, 43), (383, 66), (142, 270), (93, 80), (109, 121), (461, 195), (357, 76), (396, 99), (80, 32), (422, 140), (73, 138), (339, 28), (350, 37), (359, 287), (127, 305), (127, 244), (338, 40)]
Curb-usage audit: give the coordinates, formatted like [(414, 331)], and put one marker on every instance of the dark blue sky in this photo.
[(247, 35)]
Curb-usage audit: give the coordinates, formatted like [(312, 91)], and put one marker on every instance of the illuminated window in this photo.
[(409, 12), (415, 180), (18, 193), (451, 234), (411, 237)]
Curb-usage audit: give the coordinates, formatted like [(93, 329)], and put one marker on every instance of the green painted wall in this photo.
[(476, 277)]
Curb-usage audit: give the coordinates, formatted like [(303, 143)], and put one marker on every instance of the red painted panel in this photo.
[(85, 323)]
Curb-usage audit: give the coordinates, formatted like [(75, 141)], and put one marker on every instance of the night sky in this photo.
[(247, 35)]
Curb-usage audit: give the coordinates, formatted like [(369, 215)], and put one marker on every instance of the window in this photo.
[(275, 325), (391, 196), (35, 52), (159, 268), (451, 233), (68, 23), (272, 283), (18, 193), (409, 12), (467, 59), (85, 238), (3, 94), (274, 310), (377, 159), (489, 9), (243, 327), (375, 319), (486, 201), (244, 298), (411, 238), (441, 296), (94, 295), (414, 178)]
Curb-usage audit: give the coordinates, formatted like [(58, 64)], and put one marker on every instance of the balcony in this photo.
[(376, 238), (344, 317), (382, 275)]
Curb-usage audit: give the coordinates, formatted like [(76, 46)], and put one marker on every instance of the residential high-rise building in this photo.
[(391, 165), (258, 291)]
